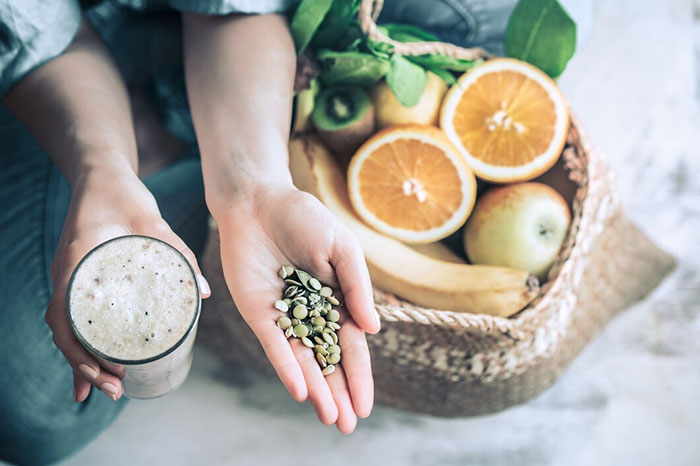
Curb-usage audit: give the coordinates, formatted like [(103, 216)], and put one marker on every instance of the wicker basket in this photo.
[(457, 364)]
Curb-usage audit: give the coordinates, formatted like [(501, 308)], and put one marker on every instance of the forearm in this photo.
[(77, 108), (240, 79)]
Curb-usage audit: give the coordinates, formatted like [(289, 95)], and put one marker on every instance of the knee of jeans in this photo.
[(48, 429)]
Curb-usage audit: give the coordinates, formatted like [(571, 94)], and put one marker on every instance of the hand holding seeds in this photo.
[(278, 226), (313, 318)]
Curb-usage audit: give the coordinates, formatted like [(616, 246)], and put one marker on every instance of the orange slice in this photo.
[(507, 118), (410, 183)]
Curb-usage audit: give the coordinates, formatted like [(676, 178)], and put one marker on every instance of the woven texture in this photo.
[(458, 364)]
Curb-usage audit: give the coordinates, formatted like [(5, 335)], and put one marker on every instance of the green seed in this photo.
[(333, 325), (318, 340), (281, 306), (327, 306), (313, 314), (334, 349), (315, 284), (333, 315), (321, 350), (334, 337), (300, 300), (328, 338), (321, 360), (307, 342), (290, 291), (325, 291), (289, 332), (333, 358), (282, 273), (320, 321), (300, 311), (290, 281), (328, 370), (284, 322), (295, 321), (300, 330), (333, 300), (303, 277), (317, 329), (287, 301), (327, 330)]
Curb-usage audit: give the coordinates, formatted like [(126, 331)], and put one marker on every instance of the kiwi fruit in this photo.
[(344, 119)]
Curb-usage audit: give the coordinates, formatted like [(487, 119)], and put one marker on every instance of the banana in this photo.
[(399, 269)]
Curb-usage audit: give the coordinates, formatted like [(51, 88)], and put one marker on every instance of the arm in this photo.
[(77, 108), (240, 75)]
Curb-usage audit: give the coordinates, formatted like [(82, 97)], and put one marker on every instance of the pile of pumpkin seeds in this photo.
[(309, 315)]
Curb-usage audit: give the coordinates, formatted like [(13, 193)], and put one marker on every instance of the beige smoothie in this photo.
[(134, 301)]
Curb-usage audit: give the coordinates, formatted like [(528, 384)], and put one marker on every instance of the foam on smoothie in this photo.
[(133, 298)]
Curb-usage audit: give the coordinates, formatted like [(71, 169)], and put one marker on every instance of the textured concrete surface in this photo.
[(630, 398)]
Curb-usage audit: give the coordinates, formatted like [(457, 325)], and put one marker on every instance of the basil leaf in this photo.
[(406, 80), (443, 62), (406, 33), (351, 67), (306, 20), (336, 23), (541, 33)]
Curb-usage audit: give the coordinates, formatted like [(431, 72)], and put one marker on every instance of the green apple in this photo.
[(521, 226)]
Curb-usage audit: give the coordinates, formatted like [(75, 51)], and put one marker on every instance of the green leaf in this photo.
[(351, 67), (445, 75), (306, 20), (444, 62), (406, 33), (336, 23), (542, 33), (406, 80)]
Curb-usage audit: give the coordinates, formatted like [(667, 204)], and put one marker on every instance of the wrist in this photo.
[(244, 195)]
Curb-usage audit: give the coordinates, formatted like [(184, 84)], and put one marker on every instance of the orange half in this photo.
[(507, 118), (410, 183)]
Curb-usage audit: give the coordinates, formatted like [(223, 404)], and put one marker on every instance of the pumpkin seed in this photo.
[(319, 340), (284, 322), (334, 349), (300, 311), (328, 370), (321, 360), (301, 330), (290, 291), (328, 338), (315, 284), (333, 300), (320, 321), (325, 291), (281, 306), (333, 358), (321, 350), (295, 321), (333, 315), (307, 342), (291, 281)]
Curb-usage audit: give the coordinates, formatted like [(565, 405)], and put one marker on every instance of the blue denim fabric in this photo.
[(39, 421)]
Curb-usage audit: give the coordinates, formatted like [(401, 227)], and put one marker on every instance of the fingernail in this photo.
[(110, 390), (203, 284), (88, 371), (376, 317)]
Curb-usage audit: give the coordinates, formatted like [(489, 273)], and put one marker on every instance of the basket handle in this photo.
[(369, 11)]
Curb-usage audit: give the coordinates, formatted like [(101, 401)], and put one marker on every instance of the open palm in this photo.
[(280, 226)]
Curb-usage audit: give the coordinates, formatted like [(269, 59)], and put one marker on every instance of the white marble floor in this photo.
[(630, 398)]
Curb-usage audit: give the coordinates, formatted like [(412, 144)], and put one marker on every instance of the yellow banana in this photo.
[(397, 268)]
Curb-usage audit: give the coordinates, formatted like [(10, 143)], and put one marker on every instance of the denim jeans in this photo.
[(39, 421)]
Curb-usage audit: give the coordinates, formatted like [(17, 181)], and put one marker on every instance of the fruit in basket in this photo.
[(507, 118), (396, 267), (343, 118), (521, 226), (409, 182), (391, 112)]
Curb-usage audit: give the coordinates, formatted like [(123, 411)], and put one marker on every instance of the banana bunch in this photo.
[(430, 276)]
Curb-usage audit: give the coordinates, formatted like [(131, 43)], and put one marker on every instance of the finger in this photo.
[(279, 353), (78, 357), (319, 393), (347, 420), (81, 388), (350, 267), (358, 367)]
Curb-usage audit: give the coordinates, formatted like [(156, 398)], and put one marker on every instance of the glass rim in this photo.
[(132, 362)]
